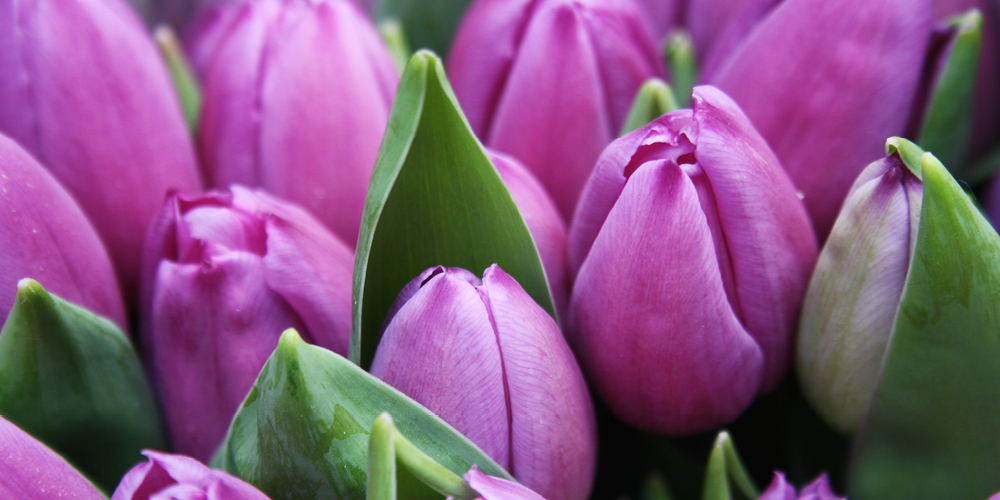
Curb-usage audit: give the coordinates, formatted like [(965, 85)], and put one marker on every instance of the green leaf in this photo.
[(654, 99), (72, 380), (933, 429), (381, 482), (725, 467), (434, 199), (430, 25), (947, 126), (185, 83), (679, 51), (656, 489), (395, 39), (303, 430)]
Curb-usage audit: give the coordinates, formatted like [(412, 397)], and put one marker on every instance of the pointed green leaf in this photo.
[(185, 84), (679, 50), (947, 126), (381, 482), (72, 380), (434, 199), (429, 472), (933, 430), (429, 25), (303, 431), (654, 99), (910, 153), (725, 467), (395, 38), (656, 489)]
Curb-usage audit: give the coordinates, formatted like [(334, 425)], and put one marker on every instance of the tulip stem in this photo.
[(381, 460), (679, 51)]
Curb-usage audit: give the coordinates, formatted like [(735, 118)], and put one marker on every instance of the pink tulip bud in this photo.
[(493, 364), (296, 100), (692, 253), (30, 471), (167, 476), (780, 489), (224, 275), (45, 236)]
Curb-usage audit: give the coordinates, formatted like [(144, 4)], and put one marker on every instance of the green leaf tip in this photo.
[(680, 55), (910, 153), (185, 84), (725, 467), (381, 483), (395, 39), (654, 99)]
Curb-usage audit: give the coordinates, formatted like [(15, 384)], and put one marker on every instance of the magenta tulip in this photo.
[(167, 476), (45, 236), (692, 253), (704, 19), (550, 82), (83, 88), (223, 275), (495, 488), (30, 471), (492, 363), (296, 99), (779, 489)]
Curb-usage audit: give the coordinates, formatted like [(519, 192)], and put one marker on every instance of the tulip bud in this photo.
[(224, 275), (169, 476), (83, 88), (819, 489), (544, 222), (692, 253), (30, 471), (45, 236), (296, 100), (550, 82), (850, 309), (487, 359)]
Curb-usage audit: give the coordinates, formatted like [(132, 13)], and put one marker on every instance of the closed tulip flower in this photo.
[(224, 275), (850, 308), (550, 82), (692, 253), (83, 88), (780, 489), (45, 236), (493, 364), (30, 471), (296, 100), (167, 476)]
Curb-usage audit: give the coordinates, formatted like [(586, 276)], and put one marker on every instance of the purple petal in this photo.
[(827, 121), (819, 489), (707, 20), (441, 350), (779, 489), (167, 476), (494, 488), (204, 35), (553, 436), (30, 471), (664, 15)]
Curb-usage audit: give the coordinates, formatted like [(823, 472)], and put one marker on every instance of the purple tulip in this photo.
[(704, 19), (826, 83), (544, 222), (45, 236), (493, 364), (30, 471), (296, 99), (551, 81), (819, 489), (83, 88), (495, 488), (692, 253), (223, 275), (167, 476)]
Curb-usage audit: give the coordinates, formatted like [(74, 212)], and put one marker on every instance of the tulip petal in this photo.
[(779, 489), (553, 436), (177, 477), (707, 21), (495, 488), (825, 83), (30, 471), (456, 372), (819, 489), (686, 364)]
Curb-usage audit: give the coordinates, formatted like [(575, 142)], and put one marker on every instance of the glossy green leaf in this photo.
[(72, 380), (654, 99), (395, 39), (947, 126), (434, 199), (185, 84), (683, 64), (725, 469), (933, 429), (429, 25), (303, 430)]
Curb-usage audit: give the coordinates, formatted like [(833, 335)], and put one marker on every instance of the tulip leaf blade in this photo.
[(933, 429), (725, 468), (434, 199), (429, 25), (72, 380), (654, 99), (946, 130), (304, 428), (185, 83)]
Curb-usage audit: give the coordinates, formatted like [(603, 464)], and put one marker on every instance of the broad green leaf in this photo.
[(725, 467), (395, 39), (947, 126), (303, 430), (434, 199), (654, 99), (933, 429), (428, 24), (72, 380), (683, 64), (185, 84)]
